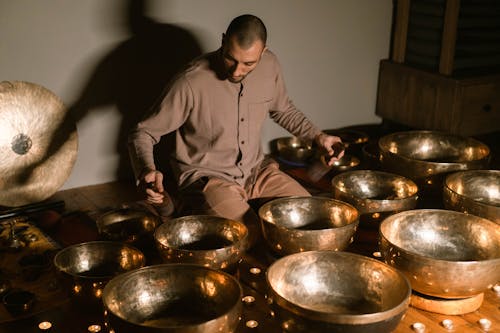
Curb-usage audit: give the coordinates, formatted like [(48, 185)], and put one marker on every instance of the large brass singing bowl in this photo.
[(326, 291), (427, 156), (206, 240), (443, 253), (85, 268), (297, 224), (173, 298), (128, 225), (375, 191), (475, 192)]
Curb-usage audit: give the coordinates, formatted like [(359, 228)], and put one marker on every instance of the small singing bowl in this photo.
[(298, 224), (173, 298), (210, 241), (18, 301), (85, 268), (427, 156), (352, 139), (444, 253), (128, 225), (293, 149), (375, 194), (475, 192), (326, 291), (345, 163)]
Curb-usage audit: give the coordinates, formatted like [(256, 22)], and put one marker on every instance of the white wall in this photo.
[(329, 49)]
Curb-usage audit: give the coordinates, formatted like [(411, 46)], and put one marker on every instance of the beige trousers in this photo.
[(215, 196)]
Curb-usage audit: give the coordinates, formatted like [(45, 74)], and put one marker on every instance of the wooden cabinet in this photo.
[(426, 100), (444, 70)]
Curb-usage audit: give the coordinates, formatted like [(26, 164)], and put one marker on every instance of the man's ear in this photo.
[(263, 50)]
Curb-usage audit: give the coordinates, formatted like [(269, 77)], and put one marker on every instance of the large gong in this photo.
[(38, 143)]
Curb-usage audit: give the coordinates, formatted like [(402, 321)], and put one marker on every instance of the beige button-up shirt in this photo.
[(217, 122)]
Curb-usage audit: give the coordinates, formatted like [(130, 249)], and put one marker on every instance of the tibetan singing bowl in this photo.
[(326, 291), (345, 163), (173, 298), (206, 240), (85, 268), (128, 225), (475, 192), (443, 253), (374, 193), (293, 149), (297, 224), (426, 156)]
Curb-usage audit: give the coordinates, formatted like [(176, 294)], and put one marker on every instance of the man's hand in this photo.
[(332, 145), (151, 184)]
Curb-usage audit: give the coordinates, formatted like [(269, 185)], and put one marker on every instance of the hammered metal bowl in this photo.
[(129, 225), (293, 150), (173, 298), (475, 192), (426, 157), (297, 224), (443, 253), (326, 291), (206, 240), (85, 268), (375, 194)]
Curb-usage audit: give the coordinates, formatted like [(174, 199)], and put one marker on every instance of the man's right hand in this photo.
[(151, 185)]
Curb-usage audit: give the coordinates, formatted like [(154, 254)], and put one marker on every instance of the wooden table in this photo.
[(84, 204)]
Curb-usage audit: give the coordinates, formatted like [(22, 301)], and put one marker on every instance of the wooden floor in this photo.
[(94, 200)]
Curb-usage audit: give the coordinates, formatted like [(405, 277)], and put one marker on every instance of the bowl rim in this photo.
[(457, 174), (412, 197), (116, 244), (119, 278), (325, 316), (354, 222), (239, 243), (424, 258), (384, 150)]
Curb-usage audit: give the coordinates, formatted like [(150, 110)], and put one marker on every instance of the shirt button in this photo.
[(240, 164), (242, 119), (242, 142)]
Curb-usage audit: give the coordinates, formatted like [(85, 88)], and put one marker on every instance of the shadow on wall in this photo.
[(133, 75)]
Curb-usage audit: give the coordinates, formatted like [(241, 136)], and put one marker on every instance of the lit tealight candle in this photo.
[(252, 323), (248, 300), (496, 288), (418, 327), (447, 323), (485, 324), (255, 270), (45, 326), (94, 328)]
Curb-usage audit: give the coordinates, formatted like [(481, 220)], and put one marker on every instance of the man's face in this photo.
[(239, 62)]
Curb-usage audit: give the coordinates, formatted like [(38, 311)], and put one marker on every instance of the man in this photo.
[(217, 108)]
